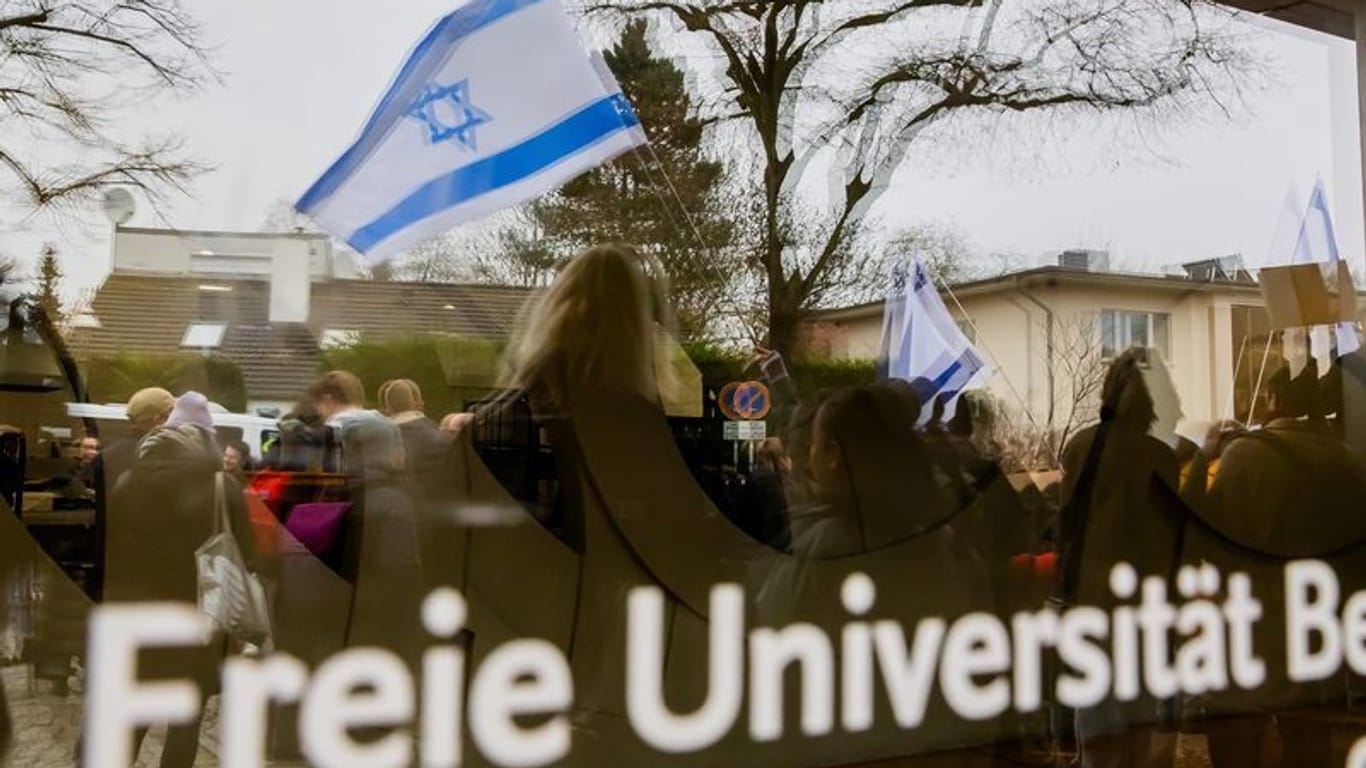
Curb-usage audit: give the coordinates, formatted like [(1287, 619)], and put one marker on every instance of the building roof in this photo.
[(1334, 17), (1050, 276), (150, 314)]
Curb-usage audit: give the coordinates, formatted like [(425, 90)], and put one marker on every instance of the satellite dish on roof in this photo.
[(119, 205)]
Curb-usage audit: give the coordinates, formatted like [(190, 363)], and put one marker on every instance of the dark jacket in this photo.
[(427, 451), (1133, 514), (1290, 491), (161, 511)]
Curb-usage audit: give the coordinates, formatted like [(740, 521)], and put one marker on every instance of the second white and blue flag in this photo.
[(922, 344), (498, 104)]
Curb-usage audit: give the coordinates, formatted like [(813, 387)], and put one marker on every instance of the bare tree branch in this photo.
[(53, 62), (868, 79)]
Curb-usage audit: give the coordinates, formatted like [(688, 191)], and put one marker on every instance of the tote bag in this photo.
[(230, 594)]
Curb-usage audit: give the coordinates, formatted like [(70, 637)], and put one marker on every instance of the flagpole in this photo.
[(1257, 390), (979, 339), (687, 215), (1237, 368)]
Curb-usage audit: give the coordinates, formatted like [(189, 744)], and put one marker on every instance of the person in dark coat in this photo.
[(764, 501), (147, 410), (162, 510), (1121, 504), (863, 460), (427, 453)]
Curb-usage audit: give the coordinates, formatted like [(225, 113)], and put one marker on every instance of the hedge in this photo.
[(472, 364), (114, 379), (455, 370), (809, 377)]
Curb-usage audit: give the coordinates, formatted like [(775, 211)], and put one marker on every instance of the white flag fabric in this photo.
[(1289, 223), (1317, 243), (922, 344), (498, 104)]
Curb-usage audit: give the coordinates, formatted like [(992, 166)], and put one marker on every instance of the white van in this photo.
[(253, 430)]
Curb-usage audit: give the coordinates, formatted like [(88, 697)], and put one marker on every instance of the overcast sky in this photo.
[(301, 76)]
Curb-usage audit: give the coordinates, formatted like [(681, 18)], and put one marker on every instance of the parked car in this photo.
[(253, 430)]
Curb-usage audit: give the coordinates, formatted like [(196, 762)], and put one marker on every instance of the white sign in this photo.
[(746, 430)]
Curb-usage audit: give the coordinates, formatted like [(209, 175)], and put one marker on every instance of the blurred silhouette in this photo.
[(237, 459), (1121, 504), (380, 555), (763, 504), (301, 444), (870, 475), (427, 451), (147, 409), (87, 462), (1295, 461), (162, 511), (595, 329)]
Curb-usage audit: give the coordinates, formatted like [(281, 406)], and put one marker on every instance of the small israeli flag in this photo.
[(922, 344), (498, 104), (1317, 243)]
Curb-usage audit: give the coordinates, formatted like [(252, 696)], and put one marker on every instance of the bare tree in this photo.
[(943, 249), (67, 69), (863, 80), (438, 260), (282, 217), (1076, 371), (518, 258)]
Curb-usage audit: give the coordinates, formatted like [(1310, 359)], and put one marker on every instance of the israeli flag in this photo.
[(922, 344), (498, 104), (1317, 243)]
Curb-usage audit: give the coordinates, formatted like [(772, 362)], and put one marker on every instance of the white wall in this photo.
[(1012, 335)]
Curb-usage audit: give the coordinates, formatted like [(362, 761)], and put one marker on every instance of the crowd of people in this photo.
[(853, 472)]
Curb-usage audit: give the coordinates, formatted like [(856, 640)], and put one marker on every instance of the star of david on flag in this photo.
[(497, 105), (448, 113)]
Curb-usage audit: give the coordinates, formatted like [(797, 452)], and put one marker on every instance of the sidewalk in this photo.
[(46, 726)]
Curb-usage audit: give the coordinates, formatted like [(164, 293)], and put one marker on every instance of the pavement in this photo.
[(47, 726)]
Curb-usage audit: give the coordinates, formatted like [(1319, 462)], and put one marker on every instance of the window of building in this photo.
[(338, 338), (204, 335), (1121, 329)]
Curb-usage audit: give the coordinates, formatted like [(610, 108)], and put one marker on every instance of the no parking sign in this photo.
[(745, 401)]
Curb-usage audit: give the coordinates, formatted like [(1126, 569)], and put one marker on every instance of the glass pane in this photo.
[(1108, 342), (678, 362), (1138, 329), (1161, 335)]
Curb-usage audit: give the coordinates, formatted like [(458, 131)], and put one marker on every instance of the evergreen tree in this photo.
[(641, 197), (49, 287)]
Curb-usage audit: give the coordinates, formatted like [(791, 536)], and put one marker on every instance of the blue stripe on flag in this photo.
[(561, 141), (429, 56), (959, 373)]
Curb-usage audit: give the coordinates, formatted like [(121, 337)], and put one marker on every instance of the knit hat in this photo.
[(147, 407), (191, 408)]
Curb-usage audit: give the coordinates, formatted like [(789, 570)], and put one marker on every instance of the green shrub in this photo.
[(114, 379), (450, 370)]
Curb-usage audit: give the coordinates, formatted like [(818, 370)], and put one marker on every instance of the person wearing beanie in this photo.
[(191, 408)]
